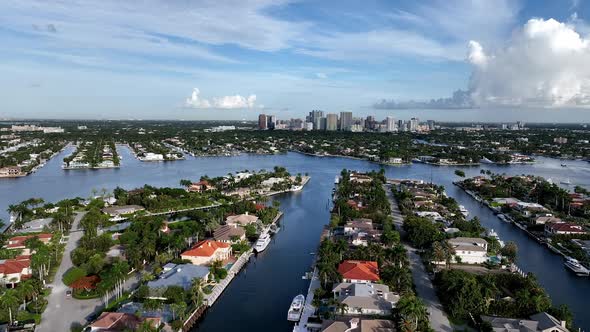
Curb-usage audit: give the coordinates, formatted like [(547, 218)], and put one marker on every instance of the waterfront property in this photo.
[(19, 242), (241, 219), (353, 271), (469, 250), (207, 251), (365, 298), (181, 275)]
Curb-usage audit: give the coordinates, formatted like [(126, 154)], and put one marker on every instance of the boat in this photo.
[(296, 308), (563, 165), (503, 218), (464, 211), (262, 242), (566, 182), (493, 234), (576, 267), (274, 228)]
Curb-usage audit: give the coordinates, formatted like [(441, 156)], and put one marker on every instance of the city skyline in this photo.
[(437, 60)]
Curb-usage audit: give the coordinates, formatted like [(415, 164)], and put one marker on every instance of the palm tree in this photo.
[(411, 308), (438, 252), (26, 291), (9, 301), (197, 291)]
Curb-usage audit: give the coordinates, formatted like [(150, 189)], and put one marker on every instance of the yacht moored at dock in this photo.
[(262, 242), (296, 308), (464, 211), (576, 267)]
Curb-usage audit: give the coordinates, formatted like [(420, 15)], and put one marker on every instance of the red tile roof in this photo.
[(564, 227), (359, 270), (205, 248), (15, 265), (19, 241)]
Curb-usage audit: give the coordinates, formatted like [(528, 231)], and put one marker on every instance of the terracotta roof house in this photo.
[(18, 242), (118, 321), (359, 271), (563, 228), (200, 186), (241, 219), (207, 251), (15, 270), (229, 233)]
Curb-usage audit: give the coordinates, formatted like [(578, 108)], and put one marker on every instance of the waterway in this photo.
[(258, 299)]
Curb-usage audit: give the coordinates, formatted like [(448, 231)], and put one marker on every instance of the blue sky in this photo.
[(234, 59)]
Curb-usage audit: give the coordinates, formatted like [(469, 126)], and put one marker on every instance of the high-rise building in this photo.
[(308, 126), (345, 121), (390, 124), (370, 122), (314, 117), (431, 124), (400, 125), (414, 122), (332, 122), (272, 121), (262, 122)]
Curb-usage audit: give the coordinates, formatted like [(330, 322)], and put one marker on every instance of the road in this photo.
[(438, 319), (64, 312)]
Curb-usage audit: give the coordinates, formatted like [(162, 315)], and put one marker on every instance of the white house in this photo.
[(365, 299), (470, 250)]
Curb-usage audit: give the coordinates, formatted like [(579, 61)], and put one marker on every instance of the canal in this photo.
[(260, 295)]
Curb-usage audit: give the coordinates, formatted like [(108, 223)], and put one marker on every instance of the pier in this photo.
[(309, 309)]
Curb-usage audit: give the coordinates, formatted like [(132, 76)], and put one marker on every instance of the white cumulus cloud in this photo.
[(224, 102), (546, 63)]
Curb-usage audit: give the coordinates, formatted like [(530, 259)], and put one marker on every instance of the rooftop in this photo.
[(359, 270)]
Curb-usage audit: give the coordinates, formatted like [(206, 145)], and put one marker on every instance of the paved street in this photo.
[(424, 287), (62, 312)]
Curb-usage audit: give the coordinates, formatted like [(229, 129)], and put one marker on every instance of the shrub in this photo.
[(73, 274)]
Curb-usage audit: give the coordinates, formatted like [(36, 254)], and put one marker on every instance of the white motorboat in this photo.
[(566, 182), (493, 234), (296, 308), (503, 218), (464, 211), (576, 267), (262, 242)]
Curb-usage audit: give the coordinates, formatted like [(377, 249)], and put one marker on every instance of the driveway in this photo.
[(424, 287)]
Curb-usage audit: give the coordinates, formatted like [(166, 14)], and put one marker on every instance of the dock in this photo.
[(309, 309)]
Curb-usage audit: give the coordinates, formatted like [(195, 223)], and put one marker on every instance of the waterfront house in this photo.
[(241, 219), (530, 209), (563, 228), (365, 299), (200, 186), (10, 171), (360, 232), (229, 233), (119, 321), (118, 211), (353, 271), (469, 250), (541, 322), (207, 251), (15, 270), (359, 325), (547, 220), (18, 242), (181, 275)]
